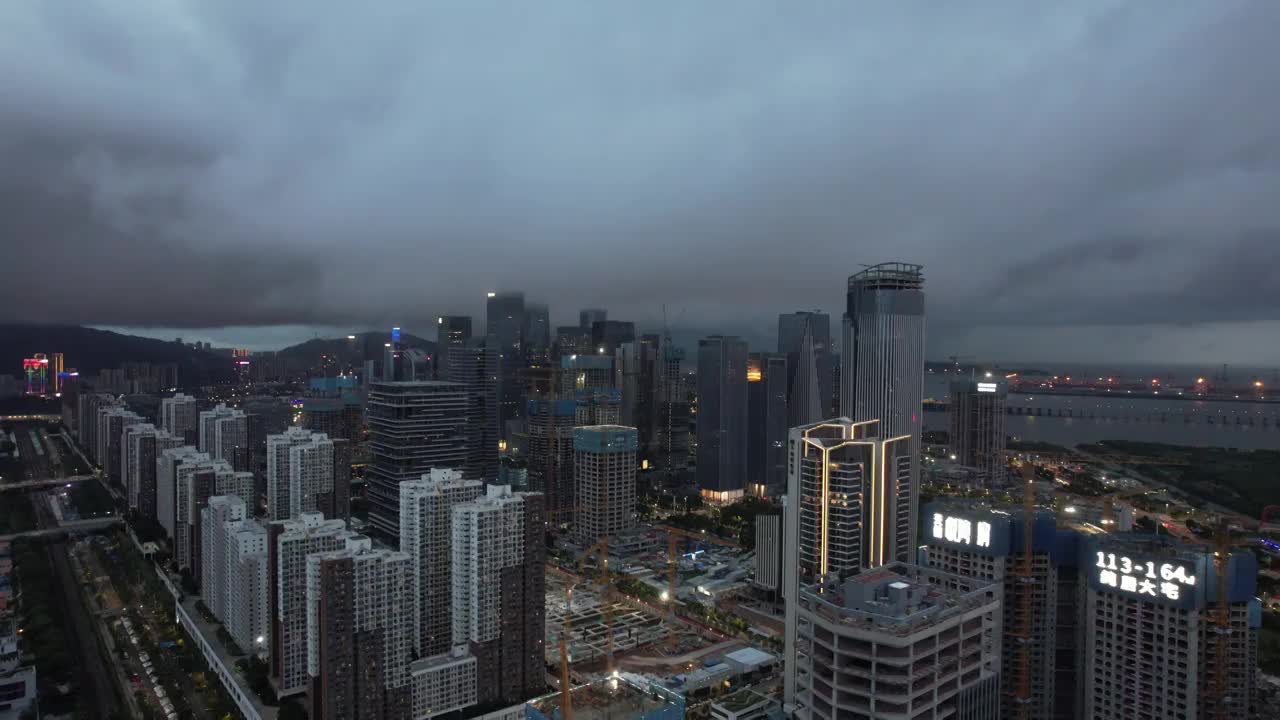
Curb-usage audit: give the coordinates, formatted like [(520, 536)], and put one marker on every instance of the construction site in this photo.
[(620, 697)]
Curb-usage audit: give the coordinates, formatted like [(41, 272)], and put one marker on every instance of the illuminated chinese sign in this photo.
[(987, 387), (962, 531), (1148, 578)]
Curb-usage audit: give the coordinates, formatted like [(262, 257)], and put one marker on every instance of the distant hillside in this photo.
[(365, 346), (89, 351)]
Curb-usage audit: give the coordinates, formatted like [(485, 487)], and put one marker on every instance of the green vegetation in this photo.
[(256, 672), (1035, 446), (736, 522), (16, 513), (90, 499), (635, 588), (1244, 481), (44, 632), (1269, 644)]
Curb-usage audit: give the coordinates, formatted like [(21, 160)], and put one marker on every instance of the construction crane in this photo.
[(1220, 698), (566, 692), (1024, 573)]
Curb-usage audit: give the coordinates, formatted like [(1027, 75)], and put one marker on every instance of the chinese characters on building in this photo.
[(1143, 578), (961, 530)]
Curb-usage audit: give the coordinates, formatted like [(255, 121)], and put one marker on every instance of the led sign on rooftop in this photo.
[(962, 530), (1150, 577)]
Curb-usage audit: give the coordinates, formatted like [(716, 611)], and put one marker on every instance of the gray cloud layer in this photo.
[(188, 164)]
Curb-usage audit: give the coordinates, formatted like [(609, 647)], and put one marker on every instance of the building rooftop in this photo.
[(889, 276), (897, 598)]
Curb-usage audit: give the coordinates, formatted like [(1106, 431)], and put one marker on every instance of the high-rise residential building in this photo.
[(551, 423), (452, 331), (88, 406), (289, 542), (805, 339), (977, 428), (169, 468), (897, 641), (220, 511), (413, 427), (588, 317), (971, 538), (766, 424), (142, 445), (476, 369), (359, 612), (1153, 645), (180, 417), (883, 361), (426, 533), (242, 580), (338, 417), (844, 499), (195, 478), (604, 470), (499, 592), (224, 432), (609, 335), (722, 417), (504, 328), (112, 421), (307, 472)]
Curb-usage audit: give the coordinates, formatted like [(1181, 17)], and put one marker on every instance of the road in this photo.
[(64, 528), (95, 681), (45, 483)]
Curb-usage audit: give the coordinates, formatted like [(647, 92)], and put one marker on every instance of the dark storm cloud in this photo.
[(188, 164)]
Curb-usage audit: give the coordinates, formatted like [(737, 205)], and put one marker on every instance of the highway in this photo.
[(65, 528), (43, 483)]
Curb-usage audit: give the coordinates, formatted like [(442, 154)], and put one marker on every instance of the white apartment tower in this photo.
[(604, 471), (289, 544), (299, 470), (223, 430), (179, 415), (426, 533)]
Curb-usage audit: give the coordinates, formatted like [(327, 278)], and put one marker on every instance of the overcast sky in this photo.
[(1085, 180)]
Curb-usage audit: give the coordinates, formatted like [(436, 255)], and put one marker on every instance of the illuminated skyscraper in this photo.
[(766, 423), (882, 374), (451, 331)]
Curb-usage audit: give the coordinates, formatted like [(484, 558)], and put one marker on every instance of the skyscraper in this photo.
[(638, 369), (805, 339), (359, 632), (898, 642), (882, 373), (426, 532), (604, 470), (1152, 647), (844, 499), (977, 428), (143, 443), (722, 417), (413, 427), (969, 537), (536, 332), (476, 369), (499, 591), (223, 432), (609, 335), (180, 417), (451, 331), (289, 543), (766, 423), (551, 423), (504, 329), (588, 317), (307, 472)]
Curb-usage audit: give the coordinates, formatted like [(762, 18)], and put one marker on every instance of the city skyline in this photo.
[(763, 167)]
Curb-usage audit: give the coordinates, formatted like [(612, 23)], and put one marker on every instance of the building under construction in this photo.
[(970, 537), (621, 697)]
